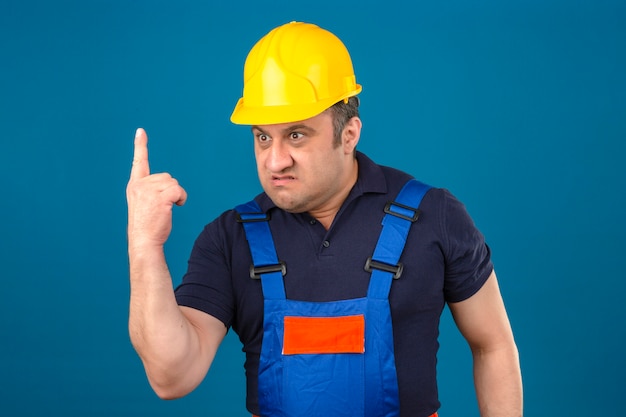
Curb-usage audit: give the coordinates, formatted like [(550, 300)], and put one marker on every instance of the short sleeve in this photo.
[(207, 284), (467, 257)]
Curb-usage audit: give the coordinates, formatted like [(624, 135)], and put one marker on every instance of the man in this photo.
[(337, 315)]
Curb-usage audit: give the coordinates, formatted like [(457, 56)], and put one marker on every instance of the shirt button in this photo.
[(326, 243), (313, 221)]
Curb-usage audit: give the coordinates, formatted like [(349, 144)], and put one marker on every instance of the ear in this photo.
[(351, 134)]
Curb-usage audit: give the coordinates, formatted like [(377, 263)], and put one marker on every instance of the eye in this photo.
[(262, 137), (295, 135)]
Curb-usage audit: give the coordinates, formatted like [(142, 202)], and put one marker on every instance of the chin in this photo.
[(288, 206)]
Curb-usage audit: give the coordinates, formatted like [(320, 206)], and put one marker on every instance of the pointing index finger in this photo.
[(140, 168)]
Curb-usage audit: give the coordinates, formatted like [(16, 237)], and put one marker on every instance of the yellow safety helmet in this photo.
[(295, 72)]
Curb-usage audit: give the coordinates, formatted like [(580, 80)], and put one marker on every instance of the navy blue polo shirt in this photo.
[(445, 260)]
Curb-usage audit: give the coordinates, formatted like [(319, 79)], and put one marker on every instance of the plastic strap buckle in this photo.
[(252, 217), (396, 270), (412, 219), (257, 271)]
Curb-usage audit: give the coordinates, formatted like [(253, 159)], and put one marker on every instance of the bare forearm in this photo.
[(498, 382), (160, 333), (175, 344)]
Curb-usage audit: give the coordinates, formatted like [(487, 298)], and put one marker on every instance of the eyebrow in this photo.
[(287, 130)]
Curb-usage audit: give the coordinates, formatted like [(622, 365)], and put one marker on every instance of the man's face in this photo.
[(301, 168)]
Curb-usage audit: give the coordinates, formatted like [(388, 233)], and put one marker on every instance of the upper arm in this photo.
[(210, 332), (482, 318)]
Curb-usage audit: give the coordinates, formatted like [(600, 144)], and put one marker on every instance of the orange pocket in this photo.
[(312, 335)]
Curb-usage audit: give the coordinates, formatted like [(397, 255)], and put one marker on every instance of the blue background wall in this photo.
[(518, 107)]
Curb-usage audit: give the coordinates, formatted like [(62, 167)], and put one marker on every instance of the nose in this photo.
[(278, 157)]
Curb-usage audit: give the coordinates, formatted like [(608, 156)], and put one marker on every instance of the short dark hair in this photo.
[(342, 112)]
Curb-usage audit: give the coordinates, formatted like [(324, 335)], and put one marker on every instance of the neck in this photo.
[(326, 215)]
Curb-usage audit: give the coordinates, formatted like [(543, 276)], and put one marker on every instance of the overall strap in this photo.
[(265, 261), (400, 214)]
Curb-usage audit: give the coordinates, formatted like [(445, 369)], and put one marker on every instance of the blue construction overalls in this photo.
[(330, 358)]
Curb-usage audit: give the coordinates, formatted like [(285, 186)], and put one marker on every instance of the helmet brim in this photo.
[(267, 115)]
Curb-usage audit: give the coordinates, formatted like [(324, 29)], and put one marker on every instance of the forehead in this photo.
[(317, 123)]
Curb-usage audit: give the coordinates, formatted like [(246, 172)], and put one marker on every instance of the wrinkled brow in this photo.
[(286, 130)]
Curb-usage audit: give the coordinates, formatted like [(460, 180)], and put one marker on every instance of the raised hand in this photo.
[(150, 199)]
